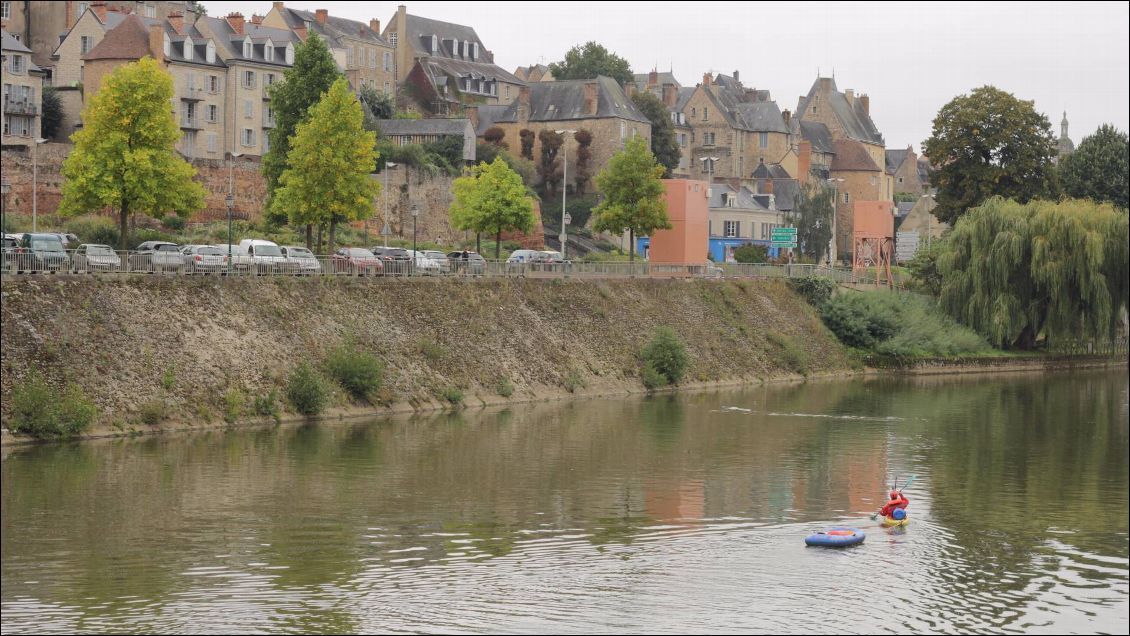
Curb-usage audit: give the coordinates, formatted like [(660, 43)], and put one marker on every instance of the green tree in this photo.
[(1098, 168), (124, 156), (327, 179), (303, 85), (812, 217), (550, 168), (664, 144), (750, 253), (591, 60), (583, 164), (492, 198), (1014, 271), (378, 104), (52, 118), (633, 194), (985, 144)]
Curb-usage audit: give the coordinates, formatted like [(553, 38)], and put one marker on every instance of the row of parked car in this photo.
[(48, 252)]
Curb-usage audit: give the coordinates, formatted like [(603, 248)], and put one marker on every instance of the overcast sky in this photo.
[(910, 57)]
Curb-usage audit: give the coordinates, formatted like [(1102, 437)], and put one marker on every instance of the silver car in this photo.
[(92, 257), (204, 259), (301, 259)]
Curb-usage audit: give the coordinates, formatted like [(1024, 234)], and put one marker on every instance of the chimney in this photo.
[(321, 15), (768, 187), (849, 95), (176, 20), (235, 21), (99, 9), (825, 84), (375, 25), (279, 6), (256, 19), (591, 101), (653, 78), (736, 76), (706, 79), (523, 104), (866, 101), (670, 95), (157, 42), (787, 116), (803, 161)]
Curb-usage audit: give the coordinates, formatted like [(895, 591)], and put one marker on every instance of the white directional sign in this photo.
[(906, 244)]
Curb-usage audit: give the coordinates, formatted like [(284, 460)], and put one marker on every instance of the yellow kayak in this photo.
[(887, 521)]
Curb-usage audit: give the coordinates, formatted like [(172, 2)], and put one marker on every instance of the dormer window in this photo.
[(269, 50), (435, 44), (290, 53), (187, 52), (247, 48), (474, 51), (167, 46), (210, 52)]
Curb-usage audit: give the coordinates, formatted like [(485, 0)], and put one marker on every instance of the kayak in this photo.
[(889, 521), (836, 538)]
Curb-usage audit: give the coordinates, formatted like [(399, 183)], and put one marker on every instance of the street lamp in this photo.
[(415, 215), (710, 173), (835, 203), (564, 180), (929, 218), (384, 201), (230, 199), (35, 182)]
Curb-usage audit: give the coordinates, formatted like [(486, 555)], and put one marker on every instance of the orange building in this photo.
[(686, 243), (873, 237)]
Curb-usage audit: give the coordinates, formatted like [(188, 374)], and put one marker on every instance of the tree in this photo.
[(812, 217), (986, 144), (492, 198), (52, 118), (1098, 168), (664, 144), (327, 178), (527, 138), (376, 106), (495, 136), (124, 156), (550, 169), (303, 85), (633, 194), (591, 60), (1014, 271), (583, 170), (750, 253)]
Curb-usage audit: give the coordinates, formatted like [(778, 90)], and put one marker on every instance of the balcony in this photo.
[(269, 123), (192, 95), (190, 123), (20, 107)]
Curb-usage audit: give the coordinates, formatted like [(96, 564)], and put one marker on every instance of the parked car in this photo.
[(205, 259), (93, 257), (523, 256), (41, 253), (301, 259), (397, 261), (261, 257), (157, 256), (424, 265), (467, 262), (11, 244), (357, 261), (67, 238), (439, 257)]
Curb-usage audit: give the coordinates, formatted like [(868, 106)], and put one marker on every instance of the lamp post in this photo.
[(35, 183), (929, 219), (564, 179), (230, 199), (832, 255), (384, 200), (415, 215)]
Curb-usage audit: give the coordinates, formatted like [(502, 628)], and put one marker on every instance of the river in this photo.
[(674, 513)]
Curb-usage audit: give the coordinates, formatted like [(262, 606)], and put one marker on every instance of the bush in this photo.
[(453, 395), (39, 411), (666, 355), (153, 412), (751, 253), (173, 222), (233, 405), (505, 387), (898, 325), (267, 405), (793, 356), (814, 289), (94, 229), (431, 350), (306, 390), (358, 372), (573, 381), (651, 378), (168, 379)]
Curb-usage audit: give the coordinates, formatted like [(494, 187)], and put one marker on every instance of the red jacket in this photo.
[(901, 502)]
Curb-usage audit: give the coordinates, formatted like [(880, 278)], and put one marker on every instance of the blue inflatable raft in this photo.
[(836, 537)]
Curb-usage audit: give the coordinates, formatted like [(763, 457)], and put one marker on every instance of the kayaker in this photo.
[(897, 500)]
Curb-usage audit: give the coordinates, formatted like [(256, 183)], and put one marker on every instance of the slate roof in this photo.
[(924, 170), (852, 156), (856, 121), (334, 29), (533, 73), (417, 28), (817, 134), (895, 158), (393, 127), (770, 171), (10, 43), (685, 95), (488, 115), (902, 208), (746, 199), (564, 100), (641, 80), (230, 44), (786, 191), (462, 68), (199, 53), (760, 117)]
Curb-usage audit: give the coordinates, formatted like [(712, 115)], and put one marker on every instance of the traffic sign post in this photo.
[(784, 237)]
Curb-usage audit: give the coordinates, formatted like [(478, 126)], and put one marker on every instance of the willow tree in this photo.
[(125, 156), (331, 157), (1015, 271), (492, 198), (633, 194)]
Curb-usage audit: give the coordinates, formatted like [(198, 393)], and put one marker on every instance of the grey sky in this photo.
[(910, 57)]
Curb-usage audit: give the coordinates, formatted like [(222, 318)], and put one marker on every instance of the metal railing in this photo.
[(24, 261)]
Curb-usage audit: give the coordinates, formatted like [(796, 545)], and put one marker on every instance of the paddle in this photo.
[(909, 481)]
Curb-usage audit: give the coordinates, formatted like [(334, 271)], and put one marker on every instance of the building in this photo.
[(1064, 146), (661, 85), (902, 166), (361, 52), (597, 105), (686, 242), (862, 182), (534, 73), (821, 146), (847, 117), (23, 94), (256, 56), (739, 216), (403, 132), (442, 67)]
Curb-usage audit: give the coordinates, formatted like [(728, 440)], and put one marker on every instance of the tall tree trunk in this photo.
[(631, 245), (310, 236), (320, 250), (333, 232), (123, 240), (479, 242), (497, 243)]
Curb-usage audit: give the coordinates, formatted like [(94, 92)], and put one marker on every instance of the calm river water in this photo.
[(666, 514)]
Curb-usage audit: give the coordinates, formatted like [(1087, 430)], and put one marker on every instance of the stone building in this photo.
[(403, 132), (739, 216), (597, 105), (23, 94), (847, 116), (360, 50), (902, 166), (1064, 146), (534, 73), (862, 183), (442, 66)]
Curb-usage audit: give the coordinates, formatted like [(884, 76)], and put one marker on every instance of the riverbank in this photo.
[(157, 354)]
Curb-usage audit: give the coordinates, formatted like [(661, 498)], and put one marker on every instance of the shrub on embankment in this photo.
[(39, 410), (128, 334)]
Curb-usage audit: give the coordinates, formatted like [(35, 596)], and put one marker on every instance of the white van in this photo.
[(261, 257)]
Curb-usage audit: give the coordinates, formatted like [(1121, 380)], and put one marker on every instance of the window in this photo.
[(392, 39), (211, 113), (708, 138), (692, 112), (435, 45), (708, 166), (387, 91), (763, 140), (266, 143), (874, 180), (388, 61), (247, 48), (210, 52), (249, 79), (269, 52), (289, 53), (730, 229), (212, 142), (705, 114), (189, 115), (247, 138), (214, 85), (692, 136), (900, 180), (506, 91), (190, 82), (268, 116), (268, 79), (17, 64), (349, 55), (847, 198), (247, 109), (150, 11), (623, 133), (6, 10), (17, 125), (85, 43), (731, 199)]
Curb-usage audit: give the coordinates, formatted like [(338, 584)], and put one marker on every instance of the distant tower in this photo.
[(1065, 146)]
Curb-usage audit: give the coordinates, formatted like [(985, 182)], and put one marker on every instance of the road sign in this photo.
[(791, 245), (906, 244), (783, 231), (386, 230)]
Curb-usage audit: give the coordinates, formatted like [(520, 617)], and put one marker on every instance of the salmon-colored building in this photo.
[(687, 241), (873, 237)]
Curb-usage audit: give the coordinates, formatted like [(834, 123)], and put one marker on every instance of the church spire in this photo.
[(1063, 126)]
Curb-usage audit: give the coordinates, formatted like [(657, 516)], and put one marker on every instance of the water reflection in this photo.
[(660, 514)]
